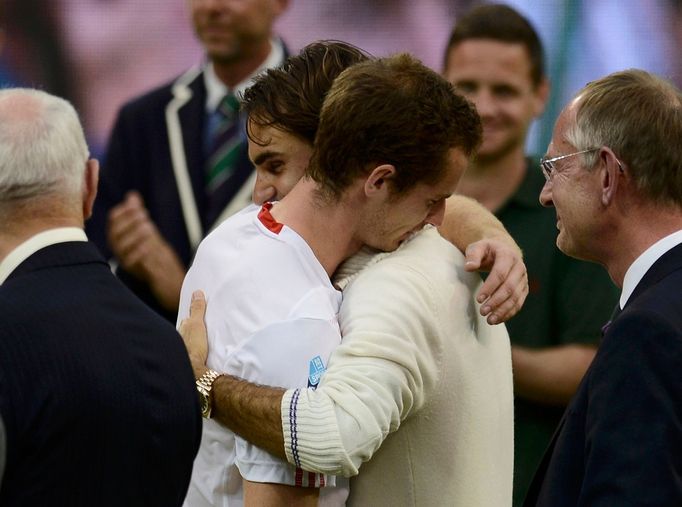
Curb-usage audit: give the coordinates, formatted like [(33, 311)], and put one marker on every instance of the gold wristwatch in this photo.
[(204, 385)]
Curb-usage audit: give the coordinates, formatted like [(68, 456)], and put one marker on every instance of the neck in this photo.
[(23, 230), (324, 227), (492, 182), (232, 71), (20, 220), (635, 234)]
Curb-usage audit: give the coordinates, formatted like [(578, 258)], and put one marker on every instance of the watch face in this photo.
[(205, 405)]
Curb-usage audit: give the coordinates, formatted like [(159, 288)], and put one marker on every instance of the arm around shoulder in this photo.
[(381, 373), (487, 245)]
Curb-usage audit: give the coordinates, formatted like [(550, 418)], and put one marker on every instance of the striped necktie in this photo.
[(225, 144), (225, 151)]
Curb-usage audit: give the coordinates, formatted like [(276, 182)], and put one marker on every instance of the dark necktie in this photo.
[(226, 145), (614, 314)]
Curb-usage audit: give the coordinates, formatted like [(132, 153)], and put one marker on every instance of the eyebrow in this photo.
[(264, 156)]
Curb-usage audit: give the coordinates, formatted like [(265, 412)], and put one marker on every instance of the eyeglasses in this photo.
[(547, 164)]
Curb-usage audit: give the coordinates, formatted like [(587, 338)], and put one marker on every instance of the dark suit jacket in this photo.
[(157, 148), (620, 441), (96, 391)]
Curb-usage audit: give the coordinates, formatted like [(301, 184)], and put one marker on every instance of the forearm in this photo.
[(551, 375), (251, 411), (165, 282), (467, 221)]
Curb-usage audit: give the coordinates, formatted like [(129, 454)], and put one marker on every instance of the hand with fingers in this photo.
[(505, 289), (143, 252), (194, 333)]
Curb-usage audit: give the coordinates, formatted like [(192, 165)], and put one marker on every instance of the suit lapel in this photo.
[(192, 117), (186, 150)]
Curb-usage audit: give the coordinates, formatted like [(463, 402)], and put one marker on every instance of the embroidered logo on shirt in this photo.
[(315, 370)]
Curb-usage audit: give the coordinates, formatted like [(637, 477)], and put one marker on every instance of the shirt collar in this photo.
[(35, 243), (643, 263), (216, 89)]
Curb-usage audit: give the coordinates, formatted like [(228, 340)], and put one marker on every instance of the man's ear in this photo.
[(611, 173), (541, 97), (91, 178), (378, 179)]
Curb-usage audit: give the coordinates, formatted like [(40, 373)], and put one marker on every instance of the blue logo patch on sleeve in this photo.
[(315, 370)]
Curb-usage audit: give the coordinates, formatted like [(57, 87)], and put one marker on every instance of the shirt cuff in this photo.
[(311, 434)]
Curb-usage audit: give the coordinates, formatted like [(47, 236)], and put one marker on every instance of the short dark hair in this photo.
[(390, 111), (290, 97), (500, 23)]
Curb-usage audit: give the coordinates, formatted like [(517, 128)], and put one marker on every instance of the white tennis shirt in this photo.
[(271, 319)]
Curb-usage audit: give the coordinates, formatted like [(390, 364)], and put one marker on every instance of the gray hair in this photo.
[(42, 145), (639, 116)]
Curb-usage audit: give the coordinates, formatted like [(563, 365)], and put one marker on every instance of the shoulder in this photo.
[(157, 99), (425, 251), (657, 299), (241, 234), (644, 341), (425, 278), (243, 252), (426, 261)]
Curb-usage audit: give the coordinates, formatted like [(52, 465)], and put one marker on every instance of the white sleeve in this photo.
[(387, 363), (291, 353)]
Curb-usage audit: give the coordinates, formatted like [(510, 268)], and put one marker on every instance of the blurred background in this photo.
[(100, 53)]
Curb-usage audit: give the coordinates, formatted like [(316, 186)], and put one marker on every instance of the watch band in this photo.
[(204, 385), (207, 379)]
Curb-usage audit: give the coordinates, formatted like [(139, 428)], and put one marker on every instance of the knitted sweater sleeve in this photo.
[(383, 371)]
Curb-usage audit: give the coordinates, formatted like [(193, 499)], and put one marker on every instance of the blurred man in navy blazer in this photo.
[(156, 202), (97, 396), (614, 176)]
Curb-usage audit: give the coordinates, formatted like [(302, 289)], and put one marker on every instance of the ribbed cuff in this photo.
[(311, 434)]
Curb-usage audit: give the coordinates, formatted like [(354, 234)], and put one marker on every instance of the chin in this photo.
[(567, 247), (221, 52), (390, 246)]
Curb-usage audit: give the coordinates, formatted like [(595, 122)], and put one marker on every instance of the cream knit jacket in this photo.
[(421, 384)]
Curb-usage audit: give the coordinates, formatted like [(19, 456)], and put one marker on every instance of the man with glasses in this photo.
[(614, 177), (549, 164), (495, 58)]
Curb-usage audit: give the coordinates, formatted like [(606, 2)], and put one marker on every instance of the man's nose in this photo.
[(483, 100), (263, 193), (546, 195)]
